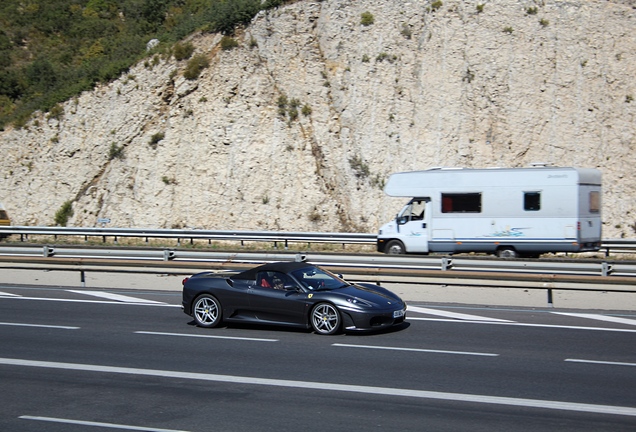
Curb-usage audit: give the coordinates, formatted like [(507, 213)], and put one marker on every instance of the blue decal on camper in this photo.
[(509, 232)]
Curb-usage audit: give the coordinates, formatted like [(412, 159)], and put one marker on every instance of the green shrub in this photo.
[(169, 180), (436, 5), (480, 8), (56, 113), (64, 213), (228, 43), (195, 66), (183, 51), (115, 152), (406, 31), (73, 45), (154, 140), (366, 19), (359, 166)]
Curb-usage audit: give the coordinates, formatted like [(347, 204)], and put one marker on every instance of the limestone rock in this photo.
[(453, 86)]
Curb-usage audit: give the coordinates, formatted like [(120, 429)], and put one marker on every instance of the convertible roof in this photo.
[(284, 267)]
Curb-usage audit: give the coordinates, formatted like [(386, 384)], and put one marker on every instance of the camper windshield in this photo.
[(413, 211)]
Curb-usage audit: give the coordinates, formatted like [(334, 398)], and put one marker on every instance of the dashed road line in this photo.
[(610, 363), (115, 297), (332, 387), (96, 424), (599, 317), (39, 326), (206, 336), (454, 315), (6, 294), (415, 350)]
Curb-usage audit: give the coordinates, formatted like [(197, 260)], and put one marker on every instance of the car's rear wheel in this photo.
[(207, 311), (325, 319)]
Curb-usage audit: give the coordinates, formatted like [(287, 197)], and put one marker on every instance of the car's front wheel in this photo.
[(207, 311), (325, 319)]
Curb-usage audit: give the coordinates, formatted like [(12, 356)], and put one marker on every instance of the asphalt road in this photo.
[(82, 360)]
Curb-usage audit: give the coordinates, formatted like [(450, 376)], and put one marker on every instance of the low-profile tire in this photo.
[(325, 319), (395, 247), (507, 252), (207, 311)]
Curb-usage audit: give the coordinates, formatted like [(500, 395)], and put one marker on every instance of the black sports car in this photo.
[(295, 294)]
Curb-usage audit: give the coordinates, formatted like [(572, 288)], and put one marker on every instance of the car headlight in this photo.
[(359, 302)]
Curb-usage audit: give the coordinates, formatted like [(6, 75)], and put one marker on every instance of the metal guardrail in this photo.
[(602, 271), (550, 276), (191, 234), (608, 246)]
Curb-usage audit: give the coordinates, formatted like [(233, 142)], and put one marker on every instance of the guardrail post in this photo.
[(48, 251), (606, 269), (168, 255), (447, 263), (82, 279)]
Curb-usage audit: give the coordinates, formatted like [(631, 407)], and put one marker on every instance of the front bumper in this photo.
[(355, 319)]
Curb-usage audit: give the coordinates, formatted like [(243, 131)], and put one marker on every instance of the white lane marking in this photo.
[(454, 315), (207, 336), (39, 325), (5, 294), (415, 350), (93, 301), (599, 317), (97, 424), (115, 297), (516, 324), (601, 362), (311, 385)]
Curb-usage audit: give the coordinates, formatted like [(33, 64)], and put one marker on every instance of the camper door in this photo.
[(413, 225)]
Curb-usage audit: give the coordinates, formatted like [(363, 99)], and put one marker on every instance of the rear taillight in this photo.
[(183, 282)]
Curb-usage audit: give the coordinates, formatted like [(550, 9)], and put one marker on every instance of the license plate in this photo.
[(398, 313)]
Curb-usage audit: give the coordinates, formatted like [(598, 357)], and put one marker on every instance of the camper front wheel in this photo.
[(395, 247), (507, 252)]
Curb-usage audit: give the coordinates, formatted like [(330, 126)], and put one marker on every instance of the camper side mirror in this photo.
[(401, 220)]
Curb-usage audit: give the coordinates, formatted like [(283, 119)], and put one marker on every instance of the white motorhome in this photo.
[(509, 212)]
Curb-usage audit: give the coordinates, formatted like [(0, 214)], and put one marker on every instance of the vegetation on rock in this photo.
[(51, 51)]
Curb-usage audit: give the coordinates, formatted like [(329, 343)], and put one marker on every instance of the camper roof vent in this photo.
[(541, 164)]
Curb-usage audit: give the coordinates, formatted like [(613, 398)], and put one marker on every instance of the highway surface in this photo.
[(82, 360)]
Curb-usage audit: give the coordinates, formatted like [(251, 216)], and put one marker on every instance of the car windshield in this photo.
[(316, 279)]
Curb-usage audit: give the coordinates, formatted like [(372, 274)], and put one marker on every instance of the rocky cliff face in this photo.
[(467, 84)]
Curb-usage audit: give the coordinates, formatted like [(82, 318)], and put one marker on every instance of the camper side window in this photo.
[(595, 202), (461, 203), (532, 201)]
